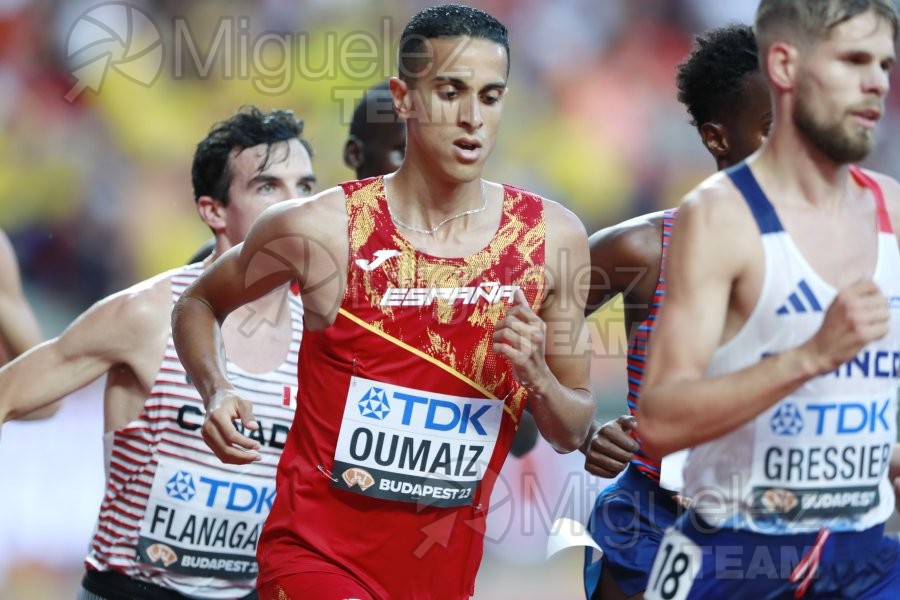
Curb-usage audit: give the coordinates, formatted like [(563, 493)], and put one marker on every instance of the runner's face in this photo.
[(842, 81), (457, 104), (383, 148), (749, 127), (288, 174)]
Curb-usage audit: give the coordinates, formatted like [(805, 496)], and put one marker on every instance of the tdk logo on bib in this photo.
[(412, 445), (852, 417), (787, 420), (236, 496), (181, 486), (423, 412), (443, 415), (374, 404), (845, 418), (218, 493)]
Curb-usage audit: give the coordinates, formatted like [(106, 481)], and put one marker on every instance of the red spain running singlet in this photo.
[(405, 414)]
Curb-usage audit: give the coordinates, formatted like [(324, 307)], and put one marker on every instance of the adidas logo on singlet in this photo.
[(801, 300)]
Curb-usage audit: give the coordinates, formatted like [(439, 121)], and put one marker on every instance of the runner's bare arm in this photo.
[(291, 240), (550, 355), (625, 260), (18, 327), (246, 272), (680, 407), (110, 333)]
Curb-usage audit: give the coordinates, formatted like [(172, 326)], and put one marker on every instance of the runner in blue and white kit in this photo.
[(728, 102), (775, 355)]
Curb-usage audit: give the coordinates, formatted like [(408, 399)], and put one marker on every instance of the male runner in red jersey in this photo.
[(375, 146), (175, 522), (422, 342), (728, 101)]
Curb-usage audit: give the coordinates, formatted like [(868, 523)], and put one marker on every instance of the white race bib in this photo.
[(404, 444), (677, 563), (822, 460), (203, 522)]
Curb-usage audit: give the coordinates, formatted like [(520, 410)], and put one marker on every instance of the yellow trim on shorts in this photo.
[(429, 358)]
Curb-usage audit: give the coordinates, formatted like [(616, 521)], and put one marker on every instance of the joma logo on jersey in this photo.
[(490, 292)]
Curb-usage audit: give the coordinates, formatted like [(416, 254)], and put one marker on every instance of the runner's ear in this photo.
[(212, 212), (353, 153), (714, 138)]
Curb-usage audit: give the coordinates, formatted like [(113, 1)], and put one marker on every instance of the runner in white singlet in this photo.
[(175, 522)]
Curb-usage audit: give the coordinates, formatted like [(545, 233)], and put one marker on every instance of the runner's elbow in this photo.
[(657, 433)]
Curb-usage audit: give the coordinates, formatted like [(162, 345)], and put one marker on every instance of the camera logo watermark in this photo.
[(125, 38), (114, 35)]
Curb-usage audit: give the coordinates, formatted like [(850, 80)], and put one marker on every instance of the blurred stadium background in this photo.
[(95, 194)]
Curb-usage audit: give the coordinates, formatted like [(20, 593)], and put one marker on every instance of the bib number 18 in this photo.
[(677, 564)]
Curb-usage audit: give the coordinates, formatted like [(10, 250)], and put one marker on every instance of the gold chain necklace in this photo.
[(434, 229)]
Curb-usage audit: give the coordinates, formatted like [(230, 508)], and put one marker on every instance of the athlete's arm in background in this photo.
[(114, 331), (625, 259), (681, 408), (291, 240), (550, 355), (18, 327)]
